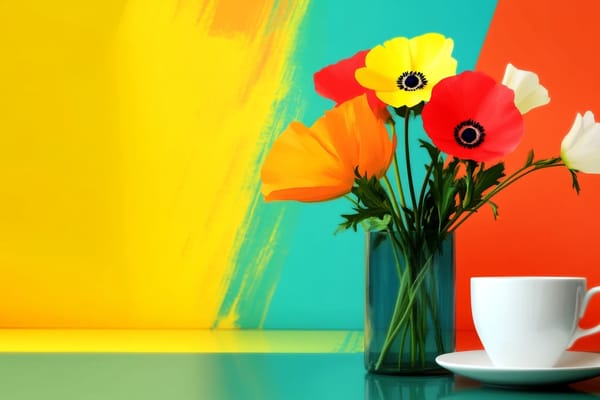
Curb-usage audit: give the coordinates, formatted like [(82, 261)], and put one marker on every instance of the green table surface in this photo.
[(239, 376)]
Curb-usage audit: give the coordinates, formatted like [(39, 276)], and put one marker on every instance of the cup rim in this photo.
[(532, 277)]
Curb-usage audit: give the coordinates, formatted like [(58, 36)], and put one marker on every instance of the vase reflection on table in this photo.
[(384, 387)]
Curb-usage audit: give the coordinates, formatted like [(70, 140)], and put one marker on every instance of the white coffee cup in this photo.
[(528, 322)]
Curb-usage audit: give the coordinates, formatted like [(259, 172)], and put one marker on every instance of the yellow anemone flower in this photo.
[(317, 163), (403, 71)]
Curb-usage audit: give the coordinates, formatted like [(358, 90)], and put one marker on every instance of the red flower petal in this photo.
[(337, 82), (460, 105)]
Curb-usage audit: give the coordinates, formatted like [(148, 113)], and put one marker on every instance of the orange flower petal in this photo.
[(317, 163), (312, 194), (374, 144), (300, 160)]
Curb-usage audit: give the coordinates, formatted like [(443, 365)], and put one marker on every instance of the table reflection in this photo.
[(237, 376)]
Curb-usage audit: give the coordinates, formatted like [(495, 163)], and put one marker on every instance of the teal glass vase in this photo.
[(410, 303)]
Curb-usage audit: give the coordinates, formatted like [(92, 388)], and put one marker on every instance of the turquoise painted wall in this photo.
[(321, 280)]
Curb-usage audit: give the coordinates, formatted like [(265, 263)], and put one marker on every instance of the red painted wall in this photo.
[(544, 228)]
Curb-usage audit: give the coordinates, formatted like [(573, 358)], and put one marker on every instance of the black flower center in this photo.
[(411, 81), (469, 134)]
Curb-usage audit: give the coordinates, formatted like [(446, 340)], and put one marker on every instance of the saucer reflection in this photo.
[(562, 393), (448, 387)]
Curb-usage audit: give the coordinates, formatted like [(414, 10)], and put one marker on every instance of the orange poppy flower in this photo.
[(317, 163)]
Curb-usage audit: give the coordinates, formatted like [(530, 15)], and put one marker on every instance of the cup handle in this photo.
[(579, 333)]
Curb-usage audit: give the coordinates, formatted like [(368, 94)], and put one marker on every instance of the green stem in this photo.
[(421, 205), (389, 337), (398, 214), (396, 255), (391, 190), (402, 282), (402, 343), (347, 196), (413, 337), (424, 186), (432, 304), (411, 185), (396, 327), (395, 324), (397, 171), (458, 219), (423, 315), (399, 221)]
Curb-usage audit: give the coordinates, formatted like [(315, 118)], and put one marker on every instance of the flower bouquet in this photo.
[(356, 150)]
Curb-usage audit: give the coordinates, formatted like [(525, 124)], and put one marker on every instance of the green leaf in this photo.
[(547, 162), (494, 207), (375, 224), (417, 109), (530, 157), (484, 179), (443, 189), (373, 202), (469, 184), (574, 180), (434, 152), (414, 110)]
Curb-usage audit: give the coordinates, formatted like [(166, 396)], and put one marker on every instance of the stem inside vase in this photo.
[(409, 313)]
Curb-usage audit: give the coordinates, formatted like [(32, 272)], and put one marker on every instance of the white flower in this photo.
[(529, 93), (580, 148)]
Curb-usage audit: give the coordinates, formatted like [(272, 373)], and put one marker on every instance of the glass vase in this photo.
[(409, 307)]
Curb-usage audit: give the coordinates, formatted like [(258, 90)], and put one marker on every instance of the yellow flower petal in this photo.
[(444, 68), (407, 66), (429, 49), (399, 98), (375, 80), (390, 59)]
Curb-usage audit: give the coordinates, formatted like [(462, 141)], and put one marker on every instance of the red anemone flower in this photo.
[(337, 82), (472, 117)]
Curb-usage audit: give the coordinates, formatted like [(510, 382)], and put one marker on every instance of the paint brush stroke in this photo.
[(197, 82), (253, 283)]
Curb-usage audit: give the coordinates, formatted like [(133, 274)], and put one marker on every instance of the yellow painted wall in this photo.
[(129, 134)]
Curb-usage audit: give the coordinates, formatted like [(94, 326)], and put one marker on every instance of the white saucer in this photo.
[(573, 366)]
